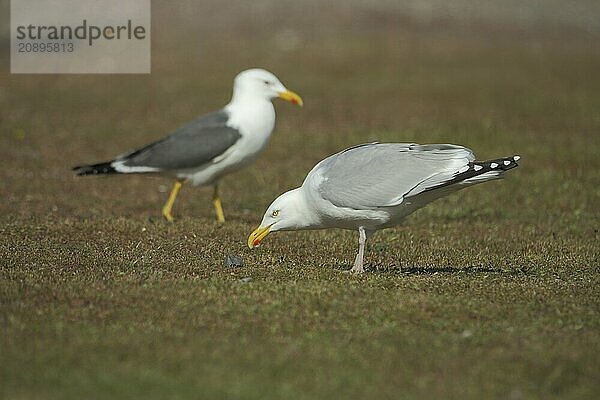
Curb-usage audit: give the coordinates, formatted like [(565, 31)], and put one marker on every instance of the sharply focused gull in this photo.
[(375, 186), (213, 145)]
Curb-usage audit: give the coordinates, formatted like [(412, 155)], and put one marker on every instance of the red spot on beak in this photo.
[(294, 101), (256, 243)]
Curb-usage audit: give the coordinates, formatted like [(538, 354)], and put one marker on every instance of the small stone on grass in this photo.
[(233, 261)]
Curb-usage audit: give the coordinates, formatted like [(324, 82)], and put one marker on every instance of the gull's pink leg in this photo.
[(358, 263)]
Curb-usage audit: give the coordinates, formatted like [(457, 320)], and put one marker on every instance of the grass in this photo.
[(490, 293)]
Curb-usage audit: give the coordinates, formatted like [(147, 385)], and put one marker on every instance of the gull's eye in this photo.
[(268, 83), (275, 213)]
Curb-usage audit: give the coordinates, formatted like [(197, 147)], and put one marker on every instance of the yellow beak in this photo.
[(258, 235), (292, 97)]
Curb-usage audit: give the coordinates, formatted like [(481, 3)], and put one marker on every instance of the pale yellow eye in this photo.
[(275, 213)]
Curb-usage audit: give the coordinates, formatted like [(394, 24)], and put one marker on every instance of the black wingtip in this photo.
[(95, 169), (498, 164), (476, 168)]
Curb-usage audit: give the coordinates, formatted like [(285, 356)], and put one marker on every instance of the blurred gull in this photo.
[(375, 186), (213, 145)]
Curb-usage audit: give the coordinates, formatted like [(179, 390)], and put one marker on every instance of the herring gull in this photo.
[(375, 186)]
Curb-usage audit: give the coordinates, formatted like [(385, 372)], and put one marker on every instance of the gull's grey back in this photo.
[(192, 145)]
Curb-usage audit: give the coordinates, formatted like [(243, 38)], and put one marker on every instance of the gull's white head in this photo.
[(289, 212), (259, 83)]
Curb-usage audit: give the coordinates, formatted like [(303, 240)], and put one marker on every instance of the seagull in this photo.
[(206, 149), (375, 186)]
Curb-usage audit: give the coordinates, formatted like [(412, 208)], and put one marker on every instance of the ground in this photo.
[(490, 293)]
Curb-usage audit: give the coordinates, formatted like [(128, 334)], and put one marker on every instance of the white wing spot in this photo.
[(506, 162), (516, 158), (477, 167), (493, 165)]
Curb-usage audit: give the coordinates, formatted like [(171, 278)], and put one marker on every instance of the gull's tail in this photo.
[(470, 174), (104, 168)]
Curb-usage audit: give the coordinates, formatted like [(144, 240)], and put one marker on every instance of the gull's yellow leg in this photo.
[(218, 206), (166, 210)]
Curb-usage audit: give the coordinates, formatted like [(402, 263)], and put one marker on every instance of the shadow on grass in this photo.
[(416, 270), (445, 270)]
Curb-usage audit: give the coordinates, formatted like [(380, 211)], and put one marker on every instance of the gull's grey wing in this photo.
[(383, 174), (190, 146)]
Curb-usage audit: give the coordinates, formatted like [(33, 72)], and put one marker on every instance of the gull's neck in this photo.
[(253, 115), (307, 215)]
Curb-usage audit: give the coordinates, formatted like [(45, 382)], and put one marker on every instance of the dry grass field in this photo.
[(490, 293)]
